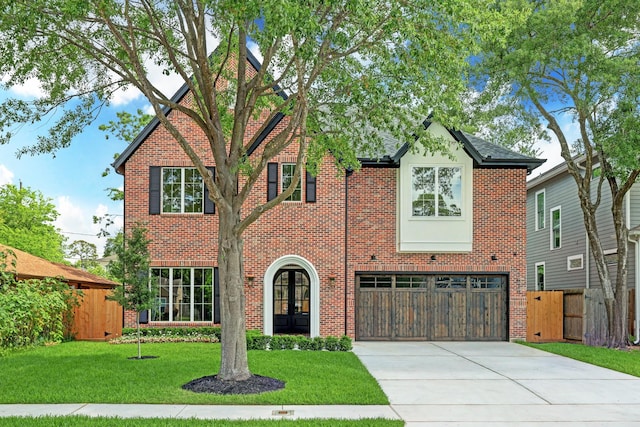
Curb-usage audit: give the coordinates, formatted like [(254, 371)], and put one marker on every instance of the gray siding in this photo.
[(562, 191)]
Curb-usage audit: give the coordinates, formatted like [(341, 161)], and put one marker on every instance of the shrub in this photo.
[(34, 311), (283, 342), (345, 343), (257, 341), (332, 344)]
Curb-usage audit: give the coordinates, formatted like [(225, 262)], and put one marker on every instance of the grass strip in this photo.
[(72, 421), (94, 372), (625, 361)]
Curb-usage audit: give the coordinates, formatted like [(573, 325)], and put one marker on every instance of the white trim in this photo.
[(535, 275), (559, 209), (267, 292), (573, 258), (544, 210)]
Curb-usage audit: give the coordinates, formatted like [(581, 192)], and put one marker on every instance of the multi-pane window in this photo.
[(182, 190), (288, 170), (540, 209), (540, 276), (555, 228), (436, 191), (184, 294)]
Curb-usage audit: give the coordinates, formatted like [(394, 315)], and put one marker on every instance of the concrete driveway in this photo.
[(497, 384)]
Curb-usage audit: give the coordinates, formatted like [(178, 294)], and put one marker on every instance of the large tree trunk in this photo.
[(233, 364), (617, 310)]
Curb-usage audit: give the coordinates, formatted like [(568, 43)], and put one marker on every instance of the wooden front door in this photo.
[(291, 289)]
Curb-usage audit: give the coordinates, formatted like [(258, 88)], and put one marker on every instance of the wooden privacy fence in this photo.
[(581, 316), (544, 316), (97, 318)]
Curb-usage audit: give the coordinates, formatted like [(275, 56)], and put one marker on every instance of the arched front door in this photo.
[(291, 290)]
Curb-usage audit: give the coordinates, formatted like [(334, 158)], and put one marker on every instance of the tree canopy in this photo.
[(578, 61), (26, 223), (342, 73)]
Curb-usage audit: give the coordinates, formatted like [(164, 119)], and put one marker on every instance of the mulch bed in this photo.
[(254, 385)]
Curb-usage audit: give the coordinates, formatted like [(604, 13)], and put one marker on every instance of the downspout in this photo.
[(346, 245), (633, 237), (587, 263)]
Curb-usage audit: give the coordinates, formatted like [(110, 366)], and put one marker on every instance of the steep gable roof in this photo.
[(177, 97), (32, 267), (483, 153)]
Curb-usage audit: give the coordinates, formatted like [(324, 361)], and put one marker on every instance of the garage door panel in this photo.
[(432, 307), (411, 314)]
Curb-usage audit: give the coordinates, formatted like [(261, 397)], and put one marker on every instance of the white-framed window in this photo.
[(540, 276), (611, 256), (182, 190), (556, 227), (436, 191), (575, 262), (288, 170), (540, 209), (184, 294)]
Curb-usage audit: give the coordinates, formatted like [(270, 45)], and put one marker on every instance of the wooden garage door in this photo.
[(431, 307)]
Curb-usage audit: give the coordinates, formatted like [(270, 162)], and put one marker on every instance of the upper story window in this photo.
[(540, 276), (436, 191), (556, 224), (540, 209), (182, 190), (288, 169)]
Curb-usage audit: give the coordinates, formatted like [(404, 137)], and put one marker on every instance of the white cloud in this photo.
[(31, 88), (76, 222), (550, 150), (6, 176)]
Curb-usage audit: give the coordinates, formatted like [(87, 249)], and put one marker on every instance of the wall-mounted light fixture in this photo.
[(373, 258), (494, 258), (250, 280), (433, 258), (332, 281)]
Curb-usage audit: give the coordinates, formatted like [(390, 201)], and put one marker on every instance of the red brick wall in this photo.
[(499, 228)]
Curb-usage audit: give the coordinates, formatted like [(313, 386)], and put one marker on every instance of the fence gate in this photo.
[(544, 316), (97, 318)]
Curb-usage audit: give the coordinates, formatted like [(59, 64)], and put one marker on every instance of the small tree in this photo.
[(132, 268), (85, 252)]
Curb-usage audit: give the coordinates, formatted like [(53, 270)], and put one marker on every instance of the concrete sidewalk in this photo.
[(469, 384), (498, 384), (209, 412)]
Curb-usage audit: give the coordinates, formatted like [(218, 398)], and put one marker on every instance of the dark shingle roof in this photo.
[(484, 153)]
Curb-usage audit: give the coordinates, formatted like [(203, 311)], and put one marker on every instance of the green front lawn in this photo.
[(626, 361), (172, 422), (89, 372)]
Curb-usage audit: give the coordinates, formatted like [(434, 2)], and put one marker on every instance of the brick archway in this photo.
[(267, 292)]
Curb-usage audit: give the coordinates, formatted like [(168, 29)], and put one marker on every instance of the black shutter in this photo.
[(209, 206), (216, 296), (311, 188), (272, 181), (155, 183), (144, 317)]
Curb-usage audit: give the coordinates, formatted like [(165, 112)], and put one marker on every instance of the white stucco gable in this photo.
[(435, 199)]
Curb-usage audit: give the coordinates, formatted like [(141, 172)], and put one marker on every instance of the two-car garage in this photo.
[(431, 307)]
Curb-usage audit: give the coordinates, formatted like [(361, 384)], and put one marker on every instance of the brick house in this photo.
[(369, 254)]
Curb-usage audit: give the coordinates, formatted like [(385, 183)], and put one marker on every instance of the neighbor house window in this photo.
[(182, 190), (555, 228), (184, 294), (575, 262), (288, 169), (436, 191), (540, 276), (540, 209)]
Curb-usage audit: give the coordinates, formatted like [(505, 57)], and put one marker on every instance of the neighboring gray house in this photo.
[(558, 254)]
